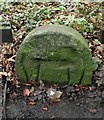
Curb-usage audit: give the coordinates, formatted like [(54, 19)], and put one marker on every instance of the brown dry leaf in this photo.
[(44, 108), (5, 62), (31, 82), (55, 85), (45, 20), (7, 48), (31, 102), (102, 45), (77, 28), (98, 49), (82, 86), (26, 92), (90, 44)]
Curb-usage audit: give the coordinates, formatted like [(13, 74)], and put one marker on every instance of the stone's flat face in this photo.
[(54, 53)]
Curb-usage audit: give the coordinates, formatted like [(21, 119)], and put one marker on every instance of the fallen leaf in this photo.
[(92, 110), (5, 62), (11, 60), (26, 92), (32, 103), (44, 108), (55, 86), (82, 86), (31, 82), (102, 45), (57, 95), (54, 95), (98, 49)]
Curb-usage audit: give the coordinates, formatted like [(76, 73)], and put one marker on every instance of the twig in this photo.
[(11, 58)]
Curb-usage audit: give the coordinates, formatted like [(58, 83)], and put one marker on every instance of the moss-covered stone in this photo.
[(54, 53)]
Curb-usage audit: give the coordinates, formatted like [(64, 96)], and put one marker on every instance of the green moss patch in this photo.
[(54, 53)]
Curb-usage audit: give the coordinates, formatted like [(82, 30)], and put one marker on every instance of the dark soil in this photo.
[(84, 103), (84, 107)]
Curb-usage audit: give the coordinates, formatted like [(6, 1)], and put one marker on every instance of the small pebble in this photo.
[(78, 104), (70, 98), (92, 110)]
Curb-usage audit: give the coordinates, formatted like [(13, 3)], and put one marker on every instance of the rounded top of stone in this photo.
[(56, 29)]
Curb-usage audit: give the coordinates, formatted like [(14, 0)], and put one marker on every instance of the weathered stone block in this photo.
[(54, 53)]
